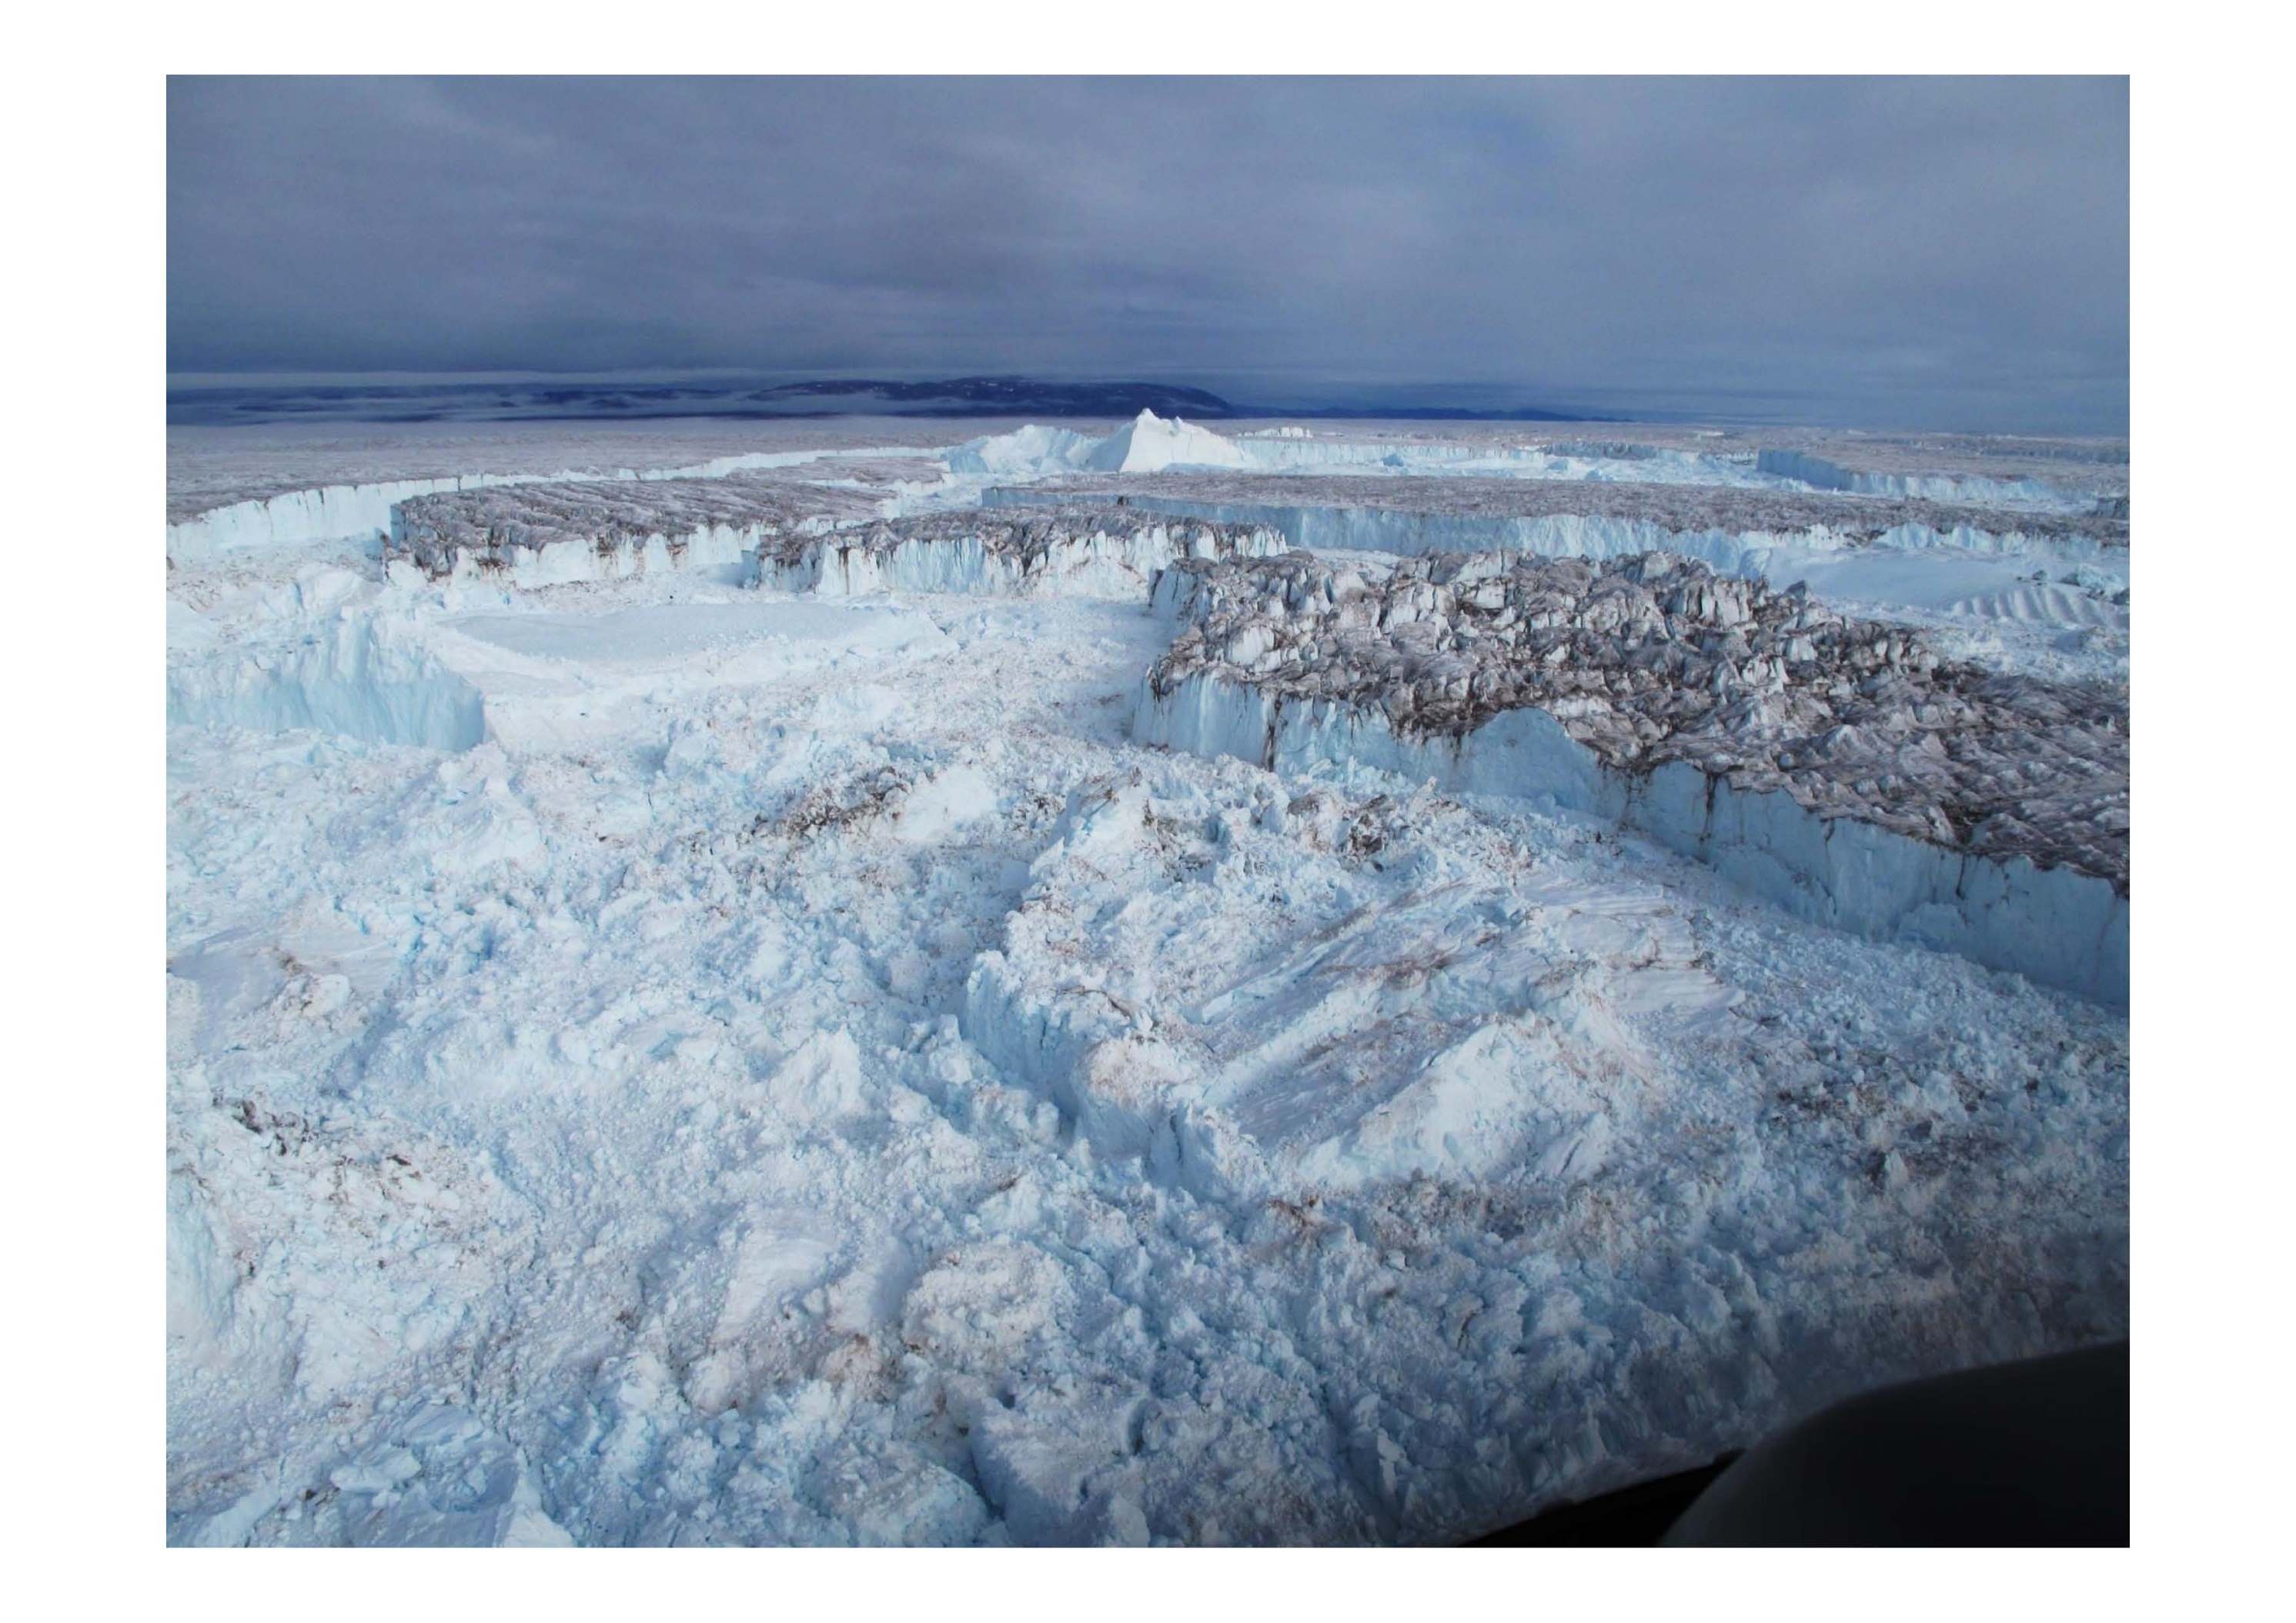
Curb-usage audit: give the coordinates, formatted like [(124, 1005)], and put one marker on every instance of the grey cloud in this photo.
[(1894, 251)]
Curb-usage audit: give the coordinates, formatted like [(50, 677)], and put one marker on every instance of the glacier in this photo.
[(1097, 552), (1339, 527), (365, 511), (772, 986), (1930, 801)]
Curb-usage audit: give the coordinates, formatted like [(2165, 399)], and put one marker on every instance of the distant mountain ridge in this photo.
[(449, 401)]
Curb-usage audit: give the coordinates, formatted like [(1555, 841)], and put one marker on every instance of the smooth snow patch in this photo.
[(547, 678), (554, 678)]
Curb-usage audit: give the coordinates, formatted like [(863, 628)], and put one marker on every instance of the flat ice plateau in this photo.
[(937, 983)]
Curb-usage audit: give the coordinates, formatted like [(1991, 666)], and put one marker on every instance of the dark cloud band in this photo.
[(1908, 251)]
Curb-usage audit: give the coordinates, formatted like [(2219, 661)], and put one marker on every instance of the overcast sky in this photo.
[(1901, 253)]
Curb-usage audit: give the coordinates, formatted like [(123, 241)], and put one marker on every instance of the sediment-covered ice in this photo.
[(1106, 551), (355, 511), (550, 534), (1736, 530), (1839, 766)]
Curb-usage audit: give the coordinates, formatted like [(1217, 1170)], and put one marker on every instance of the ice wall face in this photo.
[(1089, 552), (1737, 530), (720, 549), (548, 535), (527, 679), (2058, 927), (1823, 475), (1836, 766), (367, 511), (364, 676), (335, 512), (1342, 529)]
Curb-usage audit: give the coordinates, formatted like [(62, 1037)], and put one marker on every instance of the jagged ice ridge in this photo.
[(1839, 765)]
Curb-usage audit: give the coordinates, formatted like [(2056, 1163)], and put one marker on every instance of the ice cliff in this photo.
[(362, 676), (1837, 766), (1736, 530), (1103, 552), (364, 510), (331, 512), (549, 534), (1824, 474)]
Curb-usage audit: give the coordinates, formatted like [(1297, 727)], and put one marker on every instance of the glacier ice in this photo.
[(1091, 551), (1734, 530), (651, 1060), (552, 534), (538, 680), (329, 513), (1149, 444), (1837, 766), (1822, 473), (365, 511), (1028, 451), (363, 675)]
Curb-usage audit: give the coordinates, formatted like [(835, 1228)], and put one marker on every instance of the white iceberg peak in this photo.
[(1150, 444)]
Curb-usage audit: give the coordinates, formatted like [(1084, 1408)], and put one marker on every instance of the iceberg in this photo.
[(1149, 444)]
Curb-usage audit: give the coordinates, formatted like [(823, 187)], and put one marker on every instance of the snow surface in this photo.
[(657, 1060)]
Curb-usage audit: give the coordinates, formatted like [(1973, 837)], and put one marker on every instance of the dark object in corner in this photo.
[(2034, 1453), (1636, 1515), (2027, 1454)]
